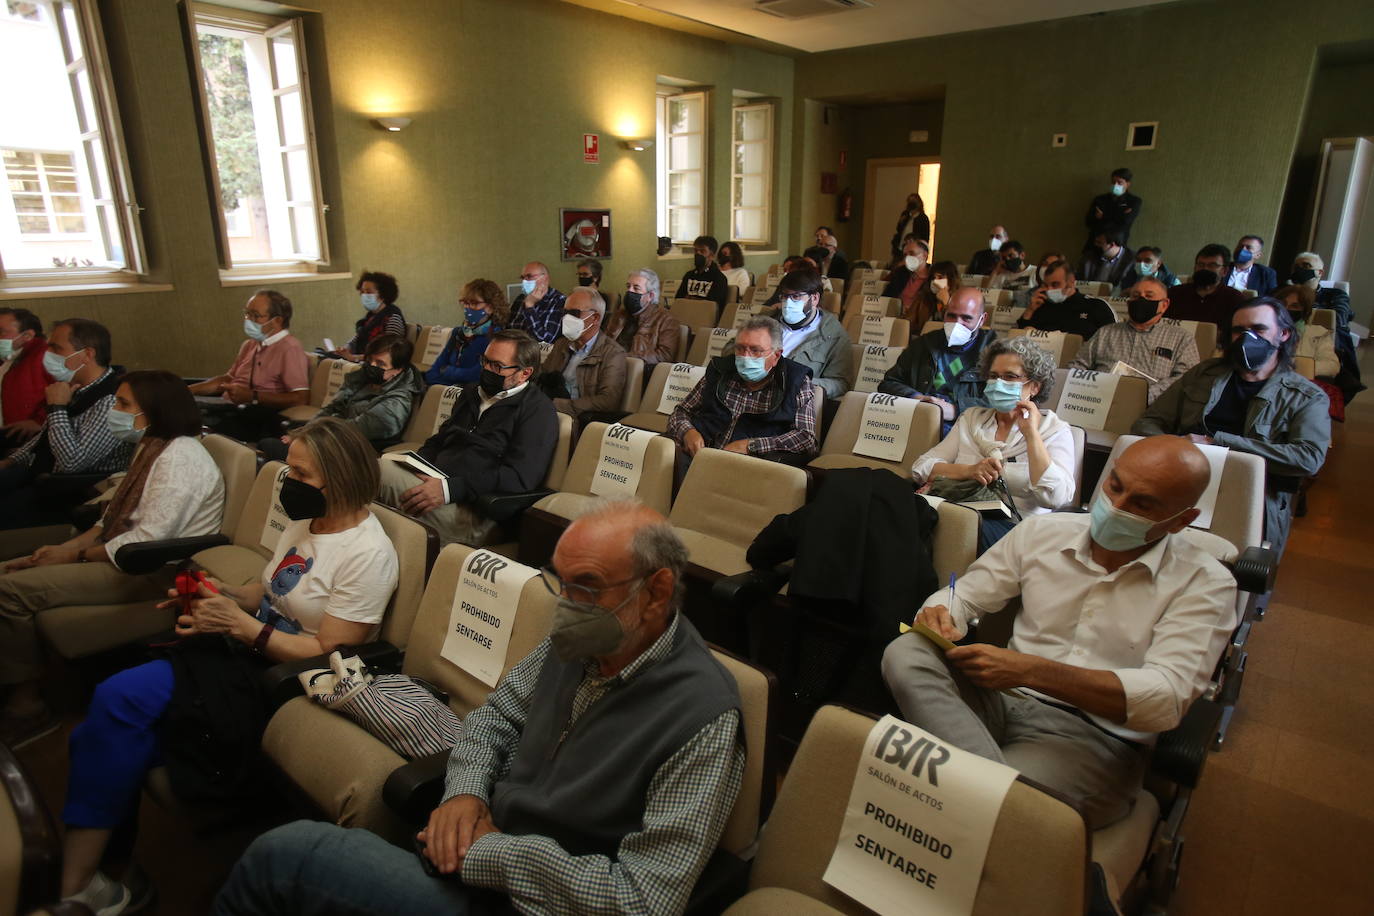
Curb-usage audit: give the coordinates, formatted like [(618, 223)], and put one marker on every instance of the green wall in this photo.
[(500, 92), (1228, 83)]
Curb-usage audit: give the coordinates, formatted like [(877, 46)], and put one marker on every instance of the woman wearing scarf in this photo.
[(484, 313)]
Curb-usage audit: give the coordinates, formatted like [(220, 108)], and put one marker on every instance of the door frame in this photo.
[(871, 167)]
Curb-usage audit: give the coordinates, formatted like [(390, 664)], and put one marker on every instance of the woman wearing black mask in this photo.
[(327, 585), (378, 396), (641, 325)]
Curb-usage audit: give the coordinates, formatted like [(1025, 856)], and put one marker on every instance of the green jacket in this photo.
[(1287, 424), (381, 413), (826, 353)]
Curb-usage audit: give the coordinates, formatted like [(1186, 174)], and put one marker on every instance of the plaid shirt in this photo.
[(81, 444), (800, 439), (1164, 352), (688, 803), (544, 319)]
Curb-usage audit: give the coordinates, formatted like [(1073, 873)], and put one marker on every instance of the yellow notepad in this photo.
[(944, 644)]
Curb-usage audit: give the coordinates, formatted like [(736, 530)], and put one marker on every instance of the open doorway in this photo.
[(886, 186)]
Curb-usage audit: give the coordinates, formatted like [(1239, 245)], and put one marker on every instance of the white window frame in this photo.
[(116, 212), (766, 208), (46, 192), (272, 28), (663, 172)]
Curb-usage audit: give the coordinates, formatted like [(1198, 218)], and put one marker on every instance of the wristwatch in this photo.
[(81, 556)]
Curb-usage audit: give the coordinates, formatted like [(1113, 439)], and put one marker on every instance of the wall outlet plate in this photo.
[(1059, 140), (918, 136)]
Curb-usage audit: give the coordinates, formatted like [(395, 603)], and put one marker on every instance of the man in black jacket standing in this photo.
[(1117, 209), (499, 439)]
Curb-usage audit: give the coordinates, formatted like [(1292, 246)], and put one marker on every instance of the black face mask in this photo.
[(300, 500), (491, 383), (1205, 278), (699, 261), (1249, 351), (632, 303), (373, 375), (1299, 277), (1013, 264), (1141, 309), (584, 281)]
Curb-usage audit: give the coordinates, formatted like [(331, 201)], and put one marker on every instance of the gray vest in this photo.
[(585, 787)]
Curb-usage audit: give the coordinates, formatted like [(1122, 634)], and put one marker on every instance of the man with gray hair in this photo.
[(642, 326), (754, 401), (584, 373), (597, 778)]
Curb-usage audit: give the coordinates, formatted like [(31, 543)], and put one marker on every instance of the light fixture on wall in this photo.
[(392, 124), (638, 145)]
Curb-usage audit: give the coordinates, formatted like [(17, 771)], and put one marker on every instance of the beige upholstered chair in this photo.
[(426, 419), (837, 449), (319, 391)]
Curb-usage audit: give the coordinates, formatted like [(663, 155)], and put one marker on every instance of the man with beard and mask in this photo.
[(1161, 351), (705, 280), (598, 776), (584, 373), (1109, 260), (985, 262), (499, 439), (1012, 271), (754, 401), (1057, 305), (642, 326), (1205, 297), (942, 367), (1251, 400), (811, 335), (1308, 268), (1247, 272), (1121, 622)]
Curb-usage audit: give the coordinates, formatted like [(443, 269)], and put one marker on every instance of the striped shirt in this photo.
[(1163, 352), (739, 400), (688, 803), (81, 444), (544, 319)]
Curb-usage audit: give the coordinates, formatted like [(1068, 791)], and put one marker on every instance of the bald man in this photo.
[(539, 307), (597, 777), (942, 366), (1122, 622)]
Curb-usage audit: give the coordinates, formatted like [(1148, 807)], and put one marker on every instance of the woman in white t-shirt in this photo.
[(731, 261), (327, 585)]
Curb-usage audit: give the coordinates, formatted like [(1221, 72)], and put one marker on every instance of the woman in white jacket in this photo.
[(1029, 449)]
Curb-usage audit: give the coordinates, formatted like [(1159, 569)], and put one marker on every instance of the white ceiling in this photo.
[(885, 21)]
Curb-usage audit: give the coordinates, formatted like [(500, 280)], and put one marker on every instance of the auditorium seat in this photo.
[(648, 416), (634, 384), (890, 306), (1128, 403), (831, 302), (837, 286), (730, 318), (1071, 345), (898, 330), (1305, 366), (435, 407), (1325, 318), (705, 339), (695, 313), (837, 451), (978, 281), (30, 847), (1094, 288), (325, 382), (856, 357), (1036, 859)]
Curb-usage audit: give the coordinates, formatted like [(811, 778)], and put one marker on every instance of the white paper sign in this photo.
[(977, 280), (719, 338), (1207, 503), (1003, 317), (669, 288), (434, 344), (337, 370), (1189, 326), (621, 462), (992, 298), (681, 380), (876, 331), (277, 519), (872, 286), (1050, 341), (873, 305), (1118, 307), (545, 348), (873, 365), (917, 827), (483, 614), (447, 400), (885, 427), (742, 314), (1087, 398)]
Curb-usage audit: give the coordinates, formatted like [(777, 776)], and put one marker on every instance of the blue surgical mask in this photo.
[(371, 302), (6, 348), (794, 310), (1118, 530), (474, 317), (253, 330), (527, 286), (1244, 256), (122, 426), (1118, 189), (1146, 268), (56, 366), (750, 368), (1002, 396)]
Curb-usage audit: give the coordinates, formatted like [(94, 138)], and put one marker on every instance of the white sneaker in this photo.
[(103, 895)]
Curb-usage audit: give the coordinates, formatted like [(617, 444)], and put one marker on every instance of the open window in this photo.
[(681, 164), (751, 179)]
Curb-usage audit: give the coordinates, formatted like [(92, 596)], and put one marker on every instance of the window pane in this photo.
[(29, 203), (750, 159), (292, 118), (34, 225), (284, 59), (23, 9), (749, 224), (71, 224), (303, 228), (751, 125), (684, 189), (85, 101), (684, 223), (750, 190), (298, 177), (684, 115), (95, 165), (66, 204), (685, 152)]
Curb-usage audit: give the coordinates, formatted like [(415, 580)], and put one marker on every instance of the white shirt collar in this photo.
[(502, 395), (1151, 559), (268, 341)]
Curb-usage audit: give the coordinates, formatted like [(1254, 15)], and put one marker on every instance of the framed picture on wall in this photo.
[(584, 233)]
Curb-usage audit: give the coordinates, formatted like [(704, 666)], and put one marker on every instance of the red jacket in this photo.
[(22, 390)]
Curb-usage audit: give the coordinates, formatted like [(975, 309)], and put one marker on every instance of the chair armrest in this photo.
[(147, 556), (414, 790), (67, 485), (280, 683), (747, 589), (1181, 753), (502, 507), (1255, 570), (724, 880)]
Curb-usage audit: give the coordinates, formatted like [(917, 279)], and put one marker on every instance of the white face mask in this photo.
[(957, 334), (940, 283), (1056, 295), (913, 262), (994, 243), (573, 327)]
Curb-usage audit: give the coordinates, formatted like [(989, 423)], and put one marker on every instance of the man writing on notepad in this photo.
[(1121, 624)]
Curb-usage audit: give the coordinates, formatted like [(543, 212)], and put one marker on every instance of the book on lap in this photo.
[(412, 462)]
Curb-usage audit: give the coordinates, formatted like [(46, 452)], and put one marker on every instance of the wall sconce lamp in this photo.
[(638, 146), (392, 124)]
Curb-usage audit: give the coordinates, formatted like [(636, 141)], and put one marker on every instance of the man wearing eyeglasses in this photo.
[(499, 439), (539, 307), (754, 401), (597, 778)]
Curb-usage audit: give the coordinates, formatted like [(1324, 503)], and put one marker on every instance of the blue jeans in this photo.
[(307, 868)]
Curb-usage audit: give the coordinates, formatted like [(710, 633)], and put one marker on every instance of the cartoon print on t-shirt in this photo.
[(288, 573)]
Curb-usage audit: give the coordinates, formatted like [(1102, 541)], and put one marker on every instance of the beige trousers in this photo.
[(455, 523)]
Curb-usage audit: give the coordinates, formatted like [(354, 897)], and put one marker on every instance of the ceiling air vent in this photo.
[(805, 9)]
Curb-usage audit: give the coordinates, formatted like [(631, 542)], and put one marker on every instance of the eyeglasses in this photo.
[(579, 593), (1005, 377), (471, 303), (492, 365), (530, 276), (752, 351), (260, 319)]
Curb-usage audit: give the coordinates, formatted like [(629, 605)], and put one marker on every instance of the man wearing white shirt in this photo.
[(499, 439), (1120, 628), (811, 335)]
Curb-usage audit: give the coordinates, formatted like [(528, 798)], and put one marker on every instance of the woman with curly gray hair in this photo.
[(1012, 439)]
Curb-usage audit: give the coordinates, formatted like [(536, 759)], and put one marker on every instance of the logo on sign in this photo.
[(903, 749), (486, 565), (1087, 375), (622, 433), (876, 350), (883, 400)]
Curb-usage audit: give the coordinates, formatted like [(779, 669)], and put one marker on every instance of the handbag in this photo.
[(400, 711)]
